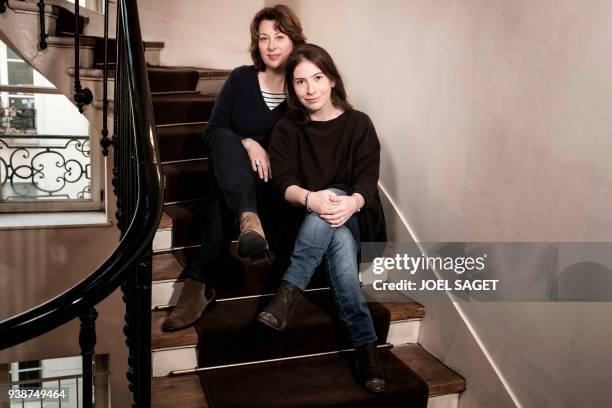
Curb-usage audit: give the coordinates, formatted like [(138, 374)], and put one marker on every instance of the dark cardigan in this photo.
[(343, 153), (240, 108)]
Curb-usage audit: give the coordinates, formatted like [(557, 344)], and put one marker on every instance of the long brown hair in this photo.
[(321, 58), (285, 21)]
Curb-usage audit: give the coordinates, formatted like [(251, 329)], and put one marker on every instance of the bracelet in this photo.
[(306, 202), (357, 201)]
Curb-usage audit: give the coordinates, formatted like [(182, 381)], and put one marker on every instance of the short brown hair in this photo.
[(285, 21), (321, 58)]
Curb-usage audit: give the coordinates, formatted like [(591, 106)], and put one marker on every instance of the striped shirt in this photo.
[(273, 99)]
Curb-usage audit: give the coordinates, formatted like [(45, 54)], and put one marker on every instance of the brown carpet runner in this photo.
[(182, 108), (229, 334), (178, 175), (181, 142), (312, 382), (162, 79)]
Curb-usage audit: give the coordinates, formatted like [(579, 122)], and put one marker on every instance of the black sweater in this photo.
[(240, 109), (343, 153)]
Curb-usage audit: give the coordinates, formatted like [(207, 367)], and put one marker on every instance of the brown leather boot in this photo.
[(191, 304), (278, 313), (252, 241)]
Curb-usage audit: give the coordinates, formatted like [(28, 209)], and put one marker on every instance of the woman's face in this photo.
[(274, 46), (312, 87)]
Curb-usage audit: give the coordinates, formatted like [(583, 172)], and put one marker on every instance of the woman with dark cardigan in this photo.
[(251, 101), (326, 158)]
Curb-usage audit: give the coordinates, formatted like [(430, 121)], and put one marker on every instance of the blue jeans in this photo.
[(318, 242)]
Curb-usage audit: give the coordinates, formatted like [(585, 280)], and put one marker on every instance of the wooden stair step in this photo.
[(182, 391), (186, 390), (440, 378), (161, 339), (166, 267), (166, 221)]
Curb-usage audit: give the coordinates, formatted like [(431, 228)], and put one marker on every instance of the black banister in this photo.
[(82, 96), (87, 341), (105, 142), (137, 182), (43, 34)]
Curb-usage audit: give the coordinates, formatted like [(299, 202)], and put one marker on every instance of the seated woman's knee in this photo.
[(343, 241), (314, 222)]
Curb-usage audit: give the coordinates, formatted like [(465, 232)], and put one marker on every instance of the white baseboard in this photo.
[(443, 401)]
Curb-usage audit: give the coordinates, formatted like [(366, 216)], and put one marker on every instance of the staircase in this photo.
[(226, 354), (212, 355)]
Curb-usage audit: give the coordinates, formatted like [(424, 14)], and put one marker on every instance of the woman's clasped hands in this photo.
[(335, 209)]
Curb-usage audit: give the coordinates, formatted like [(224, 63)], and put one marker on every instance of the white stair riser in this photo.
[(165, 293), (404, 332), (167, 360), (444, 401), (162, 239)]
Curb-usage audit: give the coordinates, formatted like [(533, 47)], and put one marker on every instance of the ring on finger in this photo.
[(257, 162)]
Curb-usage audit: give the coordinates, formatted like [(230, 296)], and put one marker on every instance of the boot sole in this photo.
[(251, 244), (264, 322)]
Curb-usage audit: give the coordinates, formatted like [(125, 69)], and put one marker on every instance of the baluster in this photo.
[(87, 341), (105, 142), (82, 96), (43, 34)]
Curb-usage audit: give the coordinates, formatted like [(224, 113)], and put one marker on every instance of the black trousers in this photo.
[(235, 188)]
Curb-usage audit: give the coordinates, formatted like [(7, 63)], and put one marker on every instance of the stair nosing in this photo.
[(272, 360), (197, 159), (187, 346), (164, 125), (175, 248), (178, 202)]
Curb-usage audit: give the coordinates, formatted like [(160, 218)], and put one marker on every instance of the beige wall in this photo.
[(495, 121), (202, 33), (495, 115)]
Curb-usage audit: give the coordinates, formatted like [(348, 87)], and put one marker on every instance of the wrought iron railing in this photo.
[(137, 184), (44, 167)]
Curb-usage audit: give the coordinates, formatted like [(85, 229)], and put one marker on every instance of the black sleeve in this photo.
[(367, 163), (284, 157), (220, 120)]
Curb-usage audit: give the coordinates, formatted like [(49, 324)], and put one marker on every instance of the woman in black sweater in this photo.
[(326, 159), (251, 101)]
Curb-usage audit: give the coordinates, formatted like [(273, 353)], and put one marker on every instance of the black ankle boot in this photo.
[(368, 371), (278, 313)]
